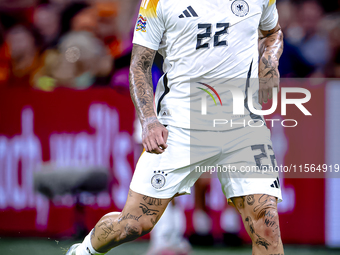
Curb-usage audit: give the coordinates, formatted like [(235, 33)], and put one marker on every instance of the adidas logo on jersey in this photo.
[(187, 14), (165, 112), (276, 184)]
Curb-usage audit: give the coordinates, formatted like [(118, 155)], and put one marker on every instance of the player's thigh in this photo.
[(143, 209), (243, 172), (177, 169)]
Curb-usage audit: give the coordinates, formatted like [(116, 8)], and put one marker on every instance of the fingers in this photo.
[(266, 90), (277, 84), (155, 140), (265, 95), (160, 142), (146, 145), (269, 78), (165, 135), (155, 148), (270, 93), (161, 139), (152, 147)]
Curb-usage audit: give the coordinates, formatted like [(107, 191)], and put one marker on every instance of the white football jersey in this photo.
[(203, 40)]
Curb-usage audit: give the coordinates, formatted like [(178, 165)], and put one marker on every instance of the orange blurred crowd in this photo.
[(76, 44), (49, 43)]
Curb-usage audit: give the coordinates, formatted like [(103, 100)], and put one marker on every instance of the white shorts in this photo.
[(193, 152)]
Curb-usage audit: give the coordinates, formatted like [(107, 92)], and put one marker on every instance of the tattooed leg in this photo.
[(138, 217), (261, 220)]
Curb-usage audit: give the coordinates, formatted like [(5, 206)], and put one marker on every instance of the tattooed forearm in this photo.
[(271, 48), (141, 88), (270, 67), (272, 43), (148, 124)]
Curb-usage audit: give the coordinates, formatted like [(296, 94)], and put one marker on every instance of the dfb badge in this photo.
[(158, 181), (240, 8)]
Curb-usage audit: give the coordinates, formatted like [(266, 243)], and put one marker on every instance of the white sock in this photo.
[(161, 234), (202, 222), (179, 222), (169, 230), (86, 248)]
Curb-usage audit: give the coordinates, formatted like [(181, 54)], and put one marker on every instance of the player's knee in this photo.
[(133, 229), (147, 226), (267, 230)]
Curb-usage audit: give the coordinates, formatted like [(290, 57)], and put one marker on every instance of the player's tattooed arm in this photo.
[(270, 49), (141, 90)]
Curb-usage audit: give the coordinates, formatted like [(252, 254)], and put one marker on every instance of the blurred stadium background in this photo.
[(65, 110)]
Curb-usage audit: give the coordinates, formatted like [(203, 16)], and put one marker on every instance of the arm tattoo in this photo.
[(141, 88), (271, 48), (272, 43), (271, 66), (149, 123)]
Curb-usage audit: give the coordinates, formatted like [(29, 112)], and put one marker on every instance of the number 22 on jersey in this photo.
[(207, 34)]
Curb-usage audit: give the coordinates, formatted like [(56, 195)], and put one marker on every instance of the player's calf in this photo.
[(117, 228), (260, 217), (138, 217)]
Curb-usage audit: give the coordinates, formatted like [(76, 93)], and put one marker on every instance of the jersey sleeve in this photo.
[(149, 26), (269, 16)]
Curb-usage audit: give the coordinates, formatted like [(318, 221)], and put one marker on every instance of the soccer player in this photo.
[(200, 40)]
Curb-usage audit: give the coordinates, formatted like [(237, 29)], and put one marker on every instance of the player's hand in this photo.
[(269, 77), (154, 136)]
